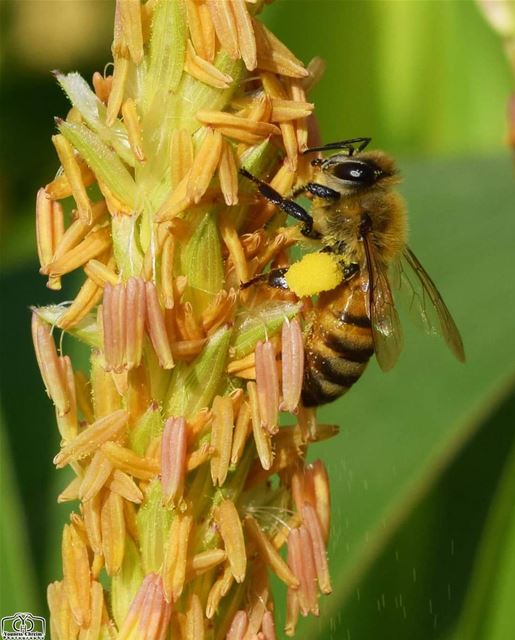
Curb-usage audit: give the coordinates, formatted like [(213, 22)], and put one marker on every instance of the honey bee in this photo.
[(360, 222)]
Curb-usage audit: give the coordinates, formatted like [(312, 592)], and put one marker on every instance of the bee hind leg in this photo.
[(274, 278)]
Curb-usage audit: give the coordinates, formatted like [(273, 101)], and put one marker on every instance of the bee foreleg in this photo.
[(274, 278), (288, 206), (318, 190)]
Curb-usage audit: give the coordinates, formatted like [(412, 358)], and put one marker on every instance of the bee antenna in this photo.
[(349, 145)]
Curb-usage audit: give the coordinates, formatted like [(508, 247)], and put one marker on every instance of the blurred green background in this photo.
[(423, 472)]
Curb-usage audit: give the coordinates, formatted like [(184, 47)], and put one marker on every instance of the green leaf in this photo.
[(416, 588), (430, 77), (488, 610), (18, 581)]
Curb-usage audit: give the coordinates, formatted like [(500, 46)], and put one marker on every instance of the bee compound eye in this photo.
[(354, 171)]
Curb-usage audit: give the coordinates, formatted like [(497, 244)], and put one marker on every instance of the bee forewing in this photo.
[(386, 324), (422, 297)]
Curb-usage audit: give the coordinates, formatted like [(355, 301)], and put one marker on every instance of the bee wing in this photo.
[(423, 297), (386, 325)]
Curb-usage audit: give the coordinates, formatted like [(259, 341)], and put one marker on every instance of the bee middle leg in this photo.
[(285, 204), (274, 278)]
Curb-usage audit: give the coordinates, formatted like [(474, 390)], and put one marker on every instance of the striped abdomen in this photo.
[(339, 344)]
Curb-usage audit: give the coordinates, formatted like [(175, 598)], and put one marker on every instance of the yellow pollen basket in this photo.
[(314, 273)]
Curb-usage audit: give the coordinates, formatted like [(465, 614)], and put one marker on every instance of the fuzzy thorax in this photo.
[(339, 223)]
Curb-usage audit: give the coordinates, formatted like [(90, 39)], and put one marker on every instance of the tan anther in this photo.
[(181, 155), (167, 284), (292, 362), (225, 27), (219, 311), (173, 459), (240, 129), (316, 69), (202, 30), (298, 97), (133, 125), (112, 523), (84, 396), (187, 349), (272, 55), (232, 241), (316, 534), (88, 297), (221, 438), (71, 491), (156, 327), (91, 438), (261, 436), (134, 321), (77, 231), (130, 14), (73, 173), (239, 626), (206, 560), (194, 628), (91, 515), (49, 231), (204, 164), (176, 555), (220, 588), (114, 102), (96, 475), (102, 85), (68, 423), (231, 531), (101, 273), (228, 173), (204, 71), (269, 554), (244, 33), (77, 575), (124, 485), (126, 460), (242, 431), (286, 110), (49, 365), (95, 243), (267, 385), (180, 198)]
